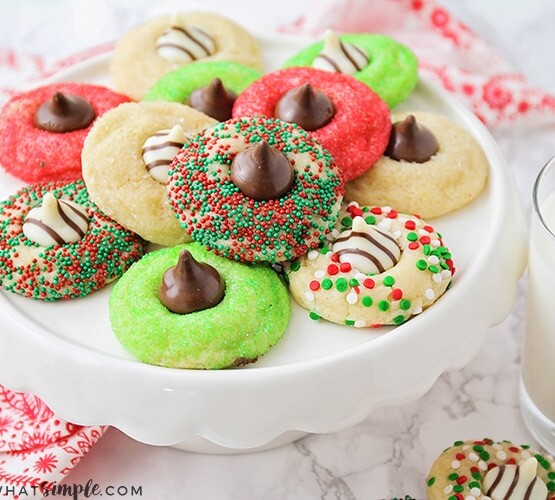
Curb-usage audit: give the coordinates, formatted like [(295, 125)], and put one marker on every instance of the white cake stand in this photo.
[(320, 378)]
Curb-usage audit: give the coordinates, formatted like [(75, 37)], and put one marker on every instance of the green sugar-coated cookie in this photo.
[(250, 319), (392, 71), (178, 85)]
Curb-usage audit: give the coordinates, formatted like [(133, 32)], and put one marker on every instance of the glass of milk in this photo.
[(538, 357)]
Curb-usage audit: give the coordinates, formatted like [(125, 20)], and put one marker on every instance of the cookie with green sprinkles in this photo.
[(377, 267), (196, 85), (55, 244), (490, 470), (156, 313), (388, 67), (256, 190)]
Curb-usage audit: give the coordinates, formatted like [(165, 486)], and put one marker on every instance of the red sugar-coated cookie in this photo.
[(358, 133), (37, 155)]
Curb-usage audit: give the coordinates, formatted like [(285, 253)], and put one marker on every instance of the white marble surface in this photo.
[(390, 452)]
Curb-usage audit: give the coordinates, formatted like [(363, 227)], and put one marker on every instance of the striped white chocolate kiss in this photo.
[(55, 222), (159, 150), (183, 44), (366, 248), (515, 482), (339, 56)]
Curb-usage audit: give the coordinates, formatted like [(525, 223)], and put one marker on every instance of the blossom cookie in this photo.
[(349, 119), (378, 267), (208, 86), (389, 68), (168, 42), (184, 307), (256, 189), (42, 130), (491, 470), (430, 167), (126, 159), (55, 244)]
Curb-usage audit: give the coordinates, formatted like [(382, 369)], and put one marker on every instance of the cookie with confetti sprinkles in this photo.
[(256, 189), (55, 244), (42, 130), (431, 167), (209, 86), (349, 119), (163, 44), (378, 267), (389, 68), (126, 159), (488, 470), (219, 313)]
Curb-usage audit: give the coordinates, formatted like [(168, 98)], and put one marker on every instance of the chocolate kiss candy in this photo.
[(64, 113), (411, 141), (262, 172), (306, 106), (213, 100), (190, 286)]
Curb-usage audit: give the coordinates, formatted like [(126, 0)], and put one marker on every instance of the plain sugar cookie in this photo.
[(125, 160), (165, 43), (451, 178)]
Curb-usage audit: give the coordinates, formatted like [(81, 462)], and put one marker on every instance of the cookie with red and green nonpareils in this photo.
[(256, 190), (55, 244), (389, 68), (42, 130), (378, 267), (490, 470), (350, 120)]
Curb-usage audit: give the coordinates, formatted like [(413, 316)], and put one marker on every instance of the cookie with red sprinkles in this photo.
[(484, 469), (36, 154), (55, 244), (377, 267), (213, 177), (357, 131)]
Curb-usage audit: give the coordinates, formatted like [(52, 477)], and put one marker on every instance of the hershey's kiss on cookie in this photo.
[(262, 172), (190, 286), (366, 248), (306, 106), (411, 141), (55, 222), (213, 100), (340, 56), (64, 113)]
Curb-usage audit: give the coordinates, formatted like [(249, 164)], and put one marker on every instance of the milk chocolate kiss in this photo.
[(64, 113), (411, 141), (262, 172), (306, 106), (190, 286), (213, 100)]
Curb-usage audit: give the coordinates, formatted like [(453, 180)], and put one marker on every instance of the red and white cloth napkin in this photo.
[(38, 448)]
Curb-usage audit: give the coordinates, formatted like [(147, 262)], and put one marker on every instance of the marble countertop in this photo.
[(390, 452)]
